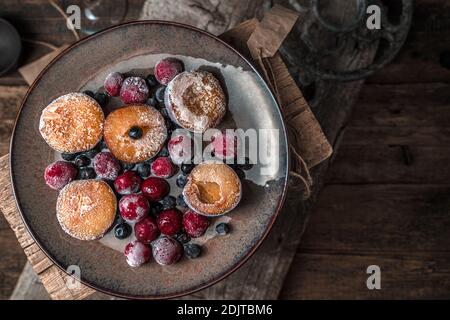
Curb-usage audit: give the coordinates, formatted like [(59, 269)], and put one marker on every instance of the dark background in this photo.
[(386, 200)]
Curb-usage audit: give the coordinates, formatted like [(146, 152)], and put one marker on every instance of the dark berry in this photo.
[(135, 133), (106, 166), (159, 94), (155, 188), (181, 180), (156, 208), (166, 251), (101, 98), (246, 165), (151, 80), (133, 207), (182, 238), (166, 69), (82, 161), (152, 102), (69, 156), (112, 83), (143, 169), (240, 173), (181, 202), (169, 202), (93, 152), (187, 168), (163, 153), (163, 167), (170, 222), (223, 228), (146, 230), (195, 224), (137, 253), (128, 166), (58, 174), (192, 250), (89, 93), (127, 183), (86, 173), (134, 90), (122, 230)]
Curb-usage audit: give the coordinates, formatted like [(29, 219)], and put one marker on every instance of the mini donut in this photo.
[(86, 209), (72, 123), (132, 150), (212, 189), (195, 101)]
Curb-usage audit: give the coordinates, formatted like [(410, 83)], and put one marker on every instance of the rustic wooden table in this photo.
[(385, 200)]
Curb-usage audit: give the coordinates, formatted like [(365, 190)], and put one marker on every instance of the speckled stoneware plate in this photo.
[(134, 48)]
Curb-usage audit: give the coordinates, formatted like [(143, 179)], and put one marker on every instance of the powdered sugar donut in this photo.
[(72, 123), (195, 100), (150, 124)]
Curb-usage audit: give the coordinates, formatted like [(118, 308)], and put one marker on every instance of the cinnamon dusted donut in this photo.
[(135, 133), (72, 123), (86, 209), (212, 189), (195, 100)]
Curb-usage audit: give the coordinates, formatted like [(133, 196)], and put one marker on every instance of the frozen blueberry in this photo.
[(151, 80), (127, 166), (163, 153), (159, 94), (181, 202), (122, 230), (152, 102), (93, 152), (101, 98), (192, 250), (156, 208), (182, 238), (169, 202), (89, 93), (143, 169), (223, 228), (135, 133), (69, 156), (82, 161), (86, 173), (246, 165), (187, 168), (181, 180)]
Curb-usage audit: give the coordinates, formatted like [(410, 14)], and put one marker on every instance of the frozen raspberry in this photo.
[(137, 253), (133, 207), (180, 148), (106, 166), (225, 145), (134, 90), (113, 83), (169, 222), (162, 167), (154, 188), (146, 230), (167, 69), (195, 224), (59, 173), (127, 183), (167, 251)]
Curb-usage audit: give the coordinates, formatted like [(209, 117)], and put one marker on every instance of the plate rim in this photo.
[(247, 255)]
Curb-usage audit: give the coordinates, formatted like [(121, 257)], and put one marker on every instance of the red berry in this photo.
[(133, 207), (106, 166), (113, 83), (180, 148), (162, 167), (169, 222), (137, 253), (134, 90), (225, 145), (166, 251), (195, 224), (154, 188), (127, 183), (167, 69), (146, 230), (59, 173)]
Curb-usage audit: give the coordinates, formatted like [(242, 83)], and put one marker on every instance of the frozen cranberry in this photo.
[(167, 251), (134, 90), (162, 167), (167, 69), (106, 166), (169, 222), (137, 253), (113, 83), (180, 148), (127, 183), (133, 207), (59, 173), (195, 224), (225, 145), (154, 188), (146, 230)]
